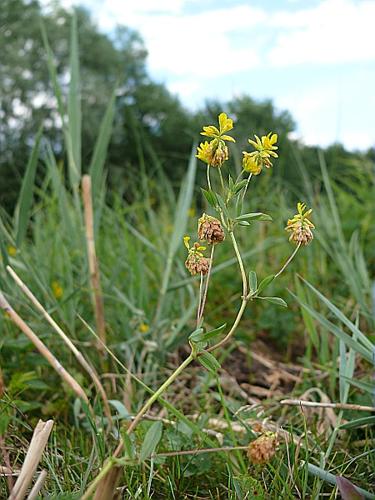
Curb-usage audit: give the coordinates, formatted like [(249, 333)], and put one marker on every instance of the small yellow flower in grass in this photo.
[(215, 152), (144, 328), (265, 149), (11, 251), (300, 226), (57, 289)]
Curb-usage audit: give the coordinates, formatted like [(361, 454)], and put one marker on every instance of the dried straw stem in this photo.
[(93, 261), (338, 406), (80, 358), (44, 351), (32, 459), (38, 485)]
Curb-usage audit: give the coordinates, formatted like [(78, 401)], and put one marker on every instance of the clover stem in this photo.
[(200, 298), (221, 181), (203, 302), (244, 296), (288, 261), (208, 177)]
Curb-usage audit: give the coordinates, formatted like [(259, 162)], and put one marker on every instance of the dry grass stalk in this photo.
[(32, 459), (7, 471), (93, 261), (8, 468), (338, 406), (38, 485), (80, 358), (44, 351)]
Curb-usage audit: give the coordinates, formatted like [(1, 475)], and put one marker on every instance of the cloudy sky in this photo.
[(315, 58)]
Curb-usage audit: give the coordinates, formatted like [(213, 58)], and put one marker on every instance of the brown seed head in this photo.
[(197, 264), (210, 230), (301, 233), (262, 449)]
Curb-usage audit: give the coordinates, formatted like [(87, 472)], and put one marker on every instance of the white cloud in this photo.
[(192, 51), (335, 31)]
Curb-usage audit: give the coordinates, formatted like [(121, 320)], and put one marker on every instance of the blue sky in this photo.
[(315, 58)]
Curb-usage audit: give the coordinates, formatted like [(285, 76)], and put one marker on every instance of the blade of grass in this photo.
[(26, 195), (180, 222), (101, 146), (74, 104)]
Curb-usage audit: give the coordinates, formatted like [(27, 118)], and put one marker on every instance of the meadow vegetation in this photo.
[(283, 409)]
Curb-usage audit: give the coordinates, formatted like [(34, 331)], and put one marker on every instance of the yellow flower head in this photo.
[(144, 328), (215, 152), (11, 250), (300, 226), (225, 124), (264, 149), (250, 165), (57, 289), (204, 152)]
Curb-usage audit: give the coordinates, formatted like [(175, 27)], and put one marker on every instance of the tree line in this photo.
[(150, 122)]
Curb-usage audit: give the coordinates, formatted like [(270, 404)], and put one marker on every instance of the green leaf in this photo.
[(26, 194), (358, 422), (222, 205), (275, 300), (120, 407), (209, 362), (240, 185), (151, 440), (74, 105), (201, 336), (129, 446), (3, 247), (255, 216), (340, 334), (341, 317), (364, 386), (101, 145), (244, 223), (265, 282), (194, 336), (253, 282), (179, 225), (210, 197)]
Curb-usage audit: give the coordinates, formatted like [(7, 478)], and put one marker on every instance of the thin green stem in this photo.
[(208, 177), (240, 263), (200, 298), (289, 260), (245, 190), (222, 181), (204, 298), (158, 393), (112, 460), (244, 296)]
